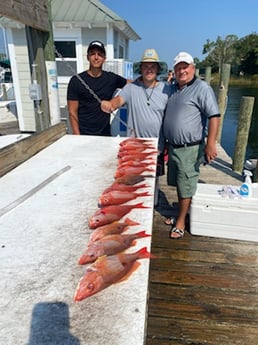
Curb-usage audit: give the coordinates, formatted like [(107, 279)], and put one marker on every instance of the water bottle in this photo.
[(246, 189)]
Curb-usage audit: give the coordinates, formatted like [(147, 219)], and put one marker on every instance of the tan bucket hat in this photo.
[(150, 55)]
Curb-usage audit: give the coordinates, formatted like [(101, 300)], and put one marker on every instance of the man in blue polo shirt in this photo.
[(191, 106)]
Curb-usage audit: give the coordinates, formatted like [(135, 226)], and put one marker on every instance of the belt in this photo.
[(187, 144)]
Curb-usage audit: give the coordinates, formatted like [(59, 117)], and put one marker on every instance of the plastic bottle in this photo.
[(246, 189)]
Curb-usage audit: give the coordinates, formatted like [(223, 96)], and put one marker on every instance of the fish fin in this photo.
[(134, 267)]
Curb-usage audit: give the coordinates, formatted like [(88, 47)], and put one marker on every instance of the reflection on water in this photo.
[(230, 124)]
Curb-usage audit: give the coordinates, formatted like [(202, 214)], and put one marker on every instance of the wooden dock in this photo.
[(202, 290)]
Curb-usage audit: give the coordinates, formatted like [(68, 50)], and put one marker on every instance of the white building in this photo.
[(75, 24)]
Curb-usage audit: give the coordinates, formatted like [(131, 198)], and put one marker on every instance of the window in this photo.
[(121, 52), (65, 54)]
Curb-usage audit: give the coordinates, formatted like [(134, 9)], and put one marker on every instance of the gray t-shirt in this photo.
[(145, 107), (187, 112)]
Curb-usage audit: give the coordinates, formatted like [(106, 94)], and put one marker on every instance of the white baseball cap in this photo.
[(183, 57)]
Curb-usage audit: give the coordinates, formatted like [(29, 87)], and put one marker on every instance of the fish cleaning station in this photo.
[(45, 206)]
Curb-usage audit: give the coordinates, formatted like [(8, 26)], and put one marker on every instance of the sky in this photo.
[(171, 26)]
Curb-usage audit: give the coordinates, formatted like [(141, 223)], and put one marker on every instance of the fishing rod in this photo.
[(94, 95)]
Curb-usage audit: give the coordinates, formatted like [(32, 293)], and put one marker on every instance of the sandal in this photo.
[(170, 221), (178, 231)]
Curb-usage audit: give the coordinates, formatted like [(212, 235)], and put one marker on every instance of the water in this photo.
[(230, 124)]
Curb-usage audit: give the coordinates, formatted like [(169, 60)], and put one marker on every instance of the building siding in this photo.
[(25, 105)]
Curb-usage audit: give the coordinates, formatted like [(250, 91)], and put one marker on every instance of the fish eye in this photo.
[(90, 286)]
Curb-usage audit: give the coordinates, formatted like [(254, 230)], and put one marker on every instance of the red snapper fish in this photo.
[(131, 171), (132, 146), (138, 148), (134, 152), (124, 187), (130, 179), (109, 245), (117, 197), (112, 228), (134, 141), (108, 270), (110, 214), (136, 164), (139, 157)]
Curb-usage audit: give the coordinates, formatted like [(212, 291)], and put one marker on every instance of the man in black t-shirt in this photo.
[(85, 114)]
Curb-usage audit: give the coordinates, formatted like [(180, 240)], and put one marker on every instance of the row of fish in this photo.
[(105, 251)]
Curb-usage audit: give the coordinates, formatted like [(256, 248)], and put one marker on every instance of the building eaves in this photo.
[(79, 14), (90, 14)]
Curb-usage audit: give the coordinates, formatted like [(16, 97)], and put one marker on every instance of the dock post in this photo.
[(244, 122), (255, 177), (222, 96), (4, 92), (208, 74)]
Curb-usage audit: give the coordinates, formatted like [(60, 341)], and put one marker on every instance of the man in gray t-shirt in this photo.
[(145, 98), (190, 107)]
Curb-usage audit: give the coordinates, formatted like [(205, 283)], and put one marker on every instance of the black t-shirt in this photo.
[(92, 120)]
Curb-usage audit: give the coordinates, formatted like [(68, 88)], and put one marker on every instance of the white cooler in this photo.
[(217, 216)]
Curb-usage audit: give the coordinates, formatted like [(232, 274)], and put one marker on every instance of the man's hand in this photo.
[(106, 106)]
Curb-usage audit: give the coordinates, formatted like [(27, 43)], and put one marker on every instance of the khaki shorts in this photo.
[(183, 169)]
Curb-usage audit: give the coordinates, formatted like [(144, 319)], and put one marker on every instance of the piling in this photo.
[(255, 177), (244, 122), (208, 74), (4, 98), (222, 96)]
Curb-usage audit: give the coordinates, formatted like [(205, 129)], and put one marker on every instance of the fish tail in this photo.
[(144, 194), (144, 254), (142, 186), (130, 222), (140, 205), (142, 234)]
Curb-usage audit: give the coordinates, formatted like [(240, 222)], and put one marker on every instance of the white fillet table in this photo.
[(45, 205)]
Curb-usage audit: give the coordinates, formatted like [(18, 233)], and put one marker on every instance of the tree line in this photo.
[(241, 54)]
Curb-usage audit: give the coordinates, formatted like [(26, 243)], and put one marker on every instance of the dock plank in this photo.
[(202, 290), (16, 153)]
